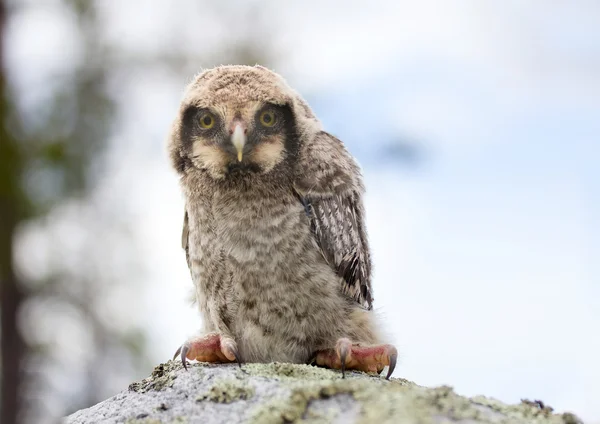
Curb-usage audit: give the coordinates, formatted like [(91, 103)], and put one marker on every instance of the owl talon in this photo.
[(184, 351), (343, 346), (235, 353), (391, 362), (371, 359)]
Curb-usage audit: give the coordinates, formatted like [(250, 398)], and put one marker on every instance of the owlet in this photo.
[(274, 228)]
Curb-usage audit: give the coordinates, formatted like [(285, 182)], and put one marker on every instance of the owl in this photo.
[(274, 228)]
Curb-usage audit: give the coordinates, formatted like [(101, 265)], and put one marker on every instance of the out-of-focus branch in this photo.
[(11, 296)]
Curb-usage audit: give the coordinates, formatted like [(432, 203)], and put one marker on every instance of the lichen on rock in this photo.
[(291, 372), (227, 391), (162, 376), (291, 393), (295, 406), (528, 411)]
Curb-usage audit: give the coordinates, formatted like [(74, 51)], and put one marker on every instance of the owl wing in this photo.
[(329, 185), (185, 233)]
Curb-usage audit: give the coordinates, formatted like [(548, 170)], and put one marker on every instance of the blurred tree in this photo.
[(12, 208), (49, 159)]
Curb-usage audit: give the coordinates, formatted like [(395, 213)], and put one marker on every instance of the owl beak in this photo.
[(238, 139)]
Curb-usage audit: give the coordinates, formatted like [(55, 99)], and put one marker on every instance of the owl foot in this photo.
[(213, 347), (346, 355)]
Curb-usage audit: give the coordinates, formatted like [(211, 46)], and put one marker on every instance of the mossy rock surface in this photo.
[(288, 393)]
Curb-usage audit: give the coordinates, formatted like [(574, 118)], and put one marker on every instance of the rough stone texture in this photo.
[(283, 393)]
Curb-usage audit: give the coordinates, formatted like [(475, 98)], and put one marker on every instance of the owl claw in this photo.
[(238, 359), (371, 359), (230, 351), (343, 346), (183, 349), (391, 363)]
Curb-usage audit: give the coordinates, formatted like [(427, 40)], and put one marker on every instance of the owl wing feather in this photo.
[(329, 184), (185, 234)]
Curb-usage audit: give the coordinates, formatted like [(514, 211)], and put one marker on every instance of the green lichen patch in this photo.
[(308, 383), (390, 402), (291, 372), (300, 372), (281, 411), (284, 371), (419, 404), (227, 391), (320, 417), (143, 421), (527, 411), (295, 407), (162, 377), (381, 401), (441, 401)]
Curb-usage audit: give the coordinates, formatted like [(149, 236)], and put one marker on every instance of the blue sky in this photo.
[(495, 285), (486, 252)]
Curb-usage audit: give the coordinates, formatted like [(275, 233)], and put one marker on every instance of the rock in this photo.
[(284, 393)]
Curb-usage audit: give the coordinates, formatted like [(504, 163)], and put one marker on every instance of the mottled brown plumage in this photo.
[(274, 228)]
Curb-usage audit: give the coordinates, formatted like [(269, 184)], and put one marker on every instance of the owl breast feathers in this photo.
[(274, 227)]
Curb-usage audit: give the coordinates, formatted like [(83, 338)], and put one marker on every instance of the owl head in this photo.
[(239, 119)]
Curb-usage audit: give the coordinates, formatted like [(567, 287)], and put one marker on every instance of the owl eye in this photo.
[(207, 121), (267, 119)]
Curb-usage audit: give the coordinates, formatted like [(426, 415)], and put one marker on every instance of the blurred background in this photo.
[(477, 124)]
